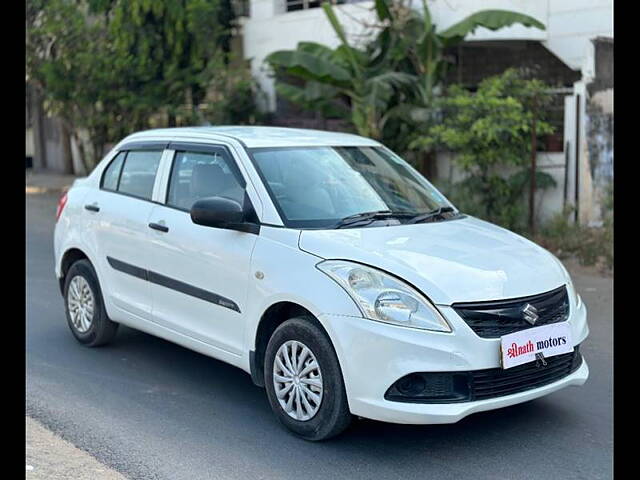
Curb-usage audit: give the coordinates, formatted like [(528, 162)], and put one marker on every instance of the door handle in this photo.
[(92, 208), (157, 226)]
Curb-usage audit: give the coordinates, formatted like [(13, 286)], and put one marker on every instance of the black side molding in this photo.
[(173, 284), (128, 268), (196, 292)]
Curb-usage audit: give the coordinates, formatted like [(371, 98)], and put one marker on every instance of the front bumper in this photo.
[(412, 413), (374, 355)]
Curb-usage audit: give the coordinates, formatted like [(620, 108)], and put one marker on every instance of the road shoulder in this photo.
[(50, 457)]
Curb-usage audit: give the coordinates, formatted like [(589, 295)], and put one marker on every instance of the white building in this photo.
[(571, 24), (572, 27)]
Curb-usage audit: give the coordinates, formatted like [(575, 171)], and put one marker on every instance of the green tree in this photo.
[(69, 61), (110, 67), (172, 48), (232, 100), (490, 134)]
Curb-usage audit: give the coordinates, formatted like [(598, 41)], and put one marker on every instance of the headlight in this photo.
[(384, 298)]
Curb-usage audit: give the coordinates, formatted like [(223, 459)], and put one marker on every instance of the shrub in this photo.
[(589, 245), (490, 133), (232, 100)]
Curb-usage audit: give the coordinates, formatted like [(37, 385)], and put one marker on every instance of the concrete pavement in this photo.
[(44, 181), (49, 457)]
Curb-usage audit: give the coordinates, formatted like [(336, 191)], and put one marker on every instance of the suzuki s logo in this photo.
[(530, 313)]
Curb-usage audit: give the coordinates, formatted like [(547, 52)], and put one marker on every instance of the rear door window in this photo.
[(112, 173), (139, 173)]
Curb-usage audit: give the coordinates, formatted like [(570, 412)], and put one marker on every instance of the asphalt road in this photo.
[(152, 409)]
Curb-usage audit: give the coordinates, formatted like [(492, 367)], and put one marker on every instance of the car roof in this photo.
[(256, 137)]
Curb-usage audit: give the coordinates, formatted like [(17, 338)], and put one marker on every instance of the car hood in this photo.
[(460, 260)]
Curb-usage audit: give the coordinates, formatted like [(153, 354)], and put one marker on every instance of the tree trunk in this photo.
[(532, 185), (429, 166), (67, 155), (98, 150), (487, 197), (81, 152), (39, 142)]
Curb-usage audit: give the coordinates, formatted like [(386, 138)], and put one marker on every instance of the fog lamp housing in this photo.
[(430, 387)]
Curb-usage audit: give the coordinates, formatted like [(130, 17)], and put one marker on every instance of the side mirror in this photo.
[(219, 212)]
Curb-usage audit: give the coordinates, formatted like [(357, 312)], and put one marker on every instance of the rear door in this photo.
[(119, 213), (199, 275)]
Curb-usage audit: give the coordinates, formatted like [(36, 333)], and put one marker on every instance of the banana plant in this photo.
[(346, 71), (420, 47)]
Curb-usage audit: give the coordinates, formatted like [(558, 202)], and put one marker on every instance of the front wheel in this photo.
[(304, 381)]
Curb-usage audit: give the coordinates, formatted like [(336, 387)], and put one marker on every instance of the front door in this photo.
[(198, 275)]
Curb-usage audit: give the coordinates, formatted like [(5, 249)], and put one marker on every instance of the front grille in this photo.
[(496, 382), (497, 318), (455, 387)]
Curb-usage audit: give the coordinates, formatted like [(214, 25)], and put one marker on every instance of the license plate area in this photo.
[(535, 344)]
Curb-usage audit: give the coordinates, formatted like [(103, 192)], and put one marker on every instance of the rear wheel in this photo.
[(86, 315), (304, 381)]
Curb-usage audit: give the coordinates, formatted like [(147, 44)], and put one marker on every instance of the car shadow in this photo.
[(203, 375)]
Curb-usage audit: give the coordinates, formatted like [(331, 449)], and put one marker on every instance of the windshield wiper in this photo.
[(370, 217), (432, 215)]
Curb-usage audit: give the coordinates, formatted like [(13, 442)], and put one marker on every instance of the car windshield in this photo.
[(317, 187)]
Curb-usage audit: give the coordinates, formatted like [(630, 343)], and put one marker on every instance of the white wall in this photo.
[(447, 12), (570, 25), (549, 202), (267, 31)]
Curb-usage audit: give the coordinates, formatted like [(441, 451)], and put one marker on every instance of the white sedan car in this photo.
[(322, 264)]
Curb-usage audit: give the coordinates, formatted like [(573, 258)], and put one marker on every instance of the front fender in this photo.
[(290, 275)]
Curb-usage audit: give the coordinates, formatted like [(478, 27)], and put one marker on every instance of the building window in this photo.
[(293, 5), (241, 8)]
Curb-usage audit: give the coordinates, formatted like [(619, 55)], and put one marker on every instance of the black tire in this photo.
[(101, 330), (333, 416)]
